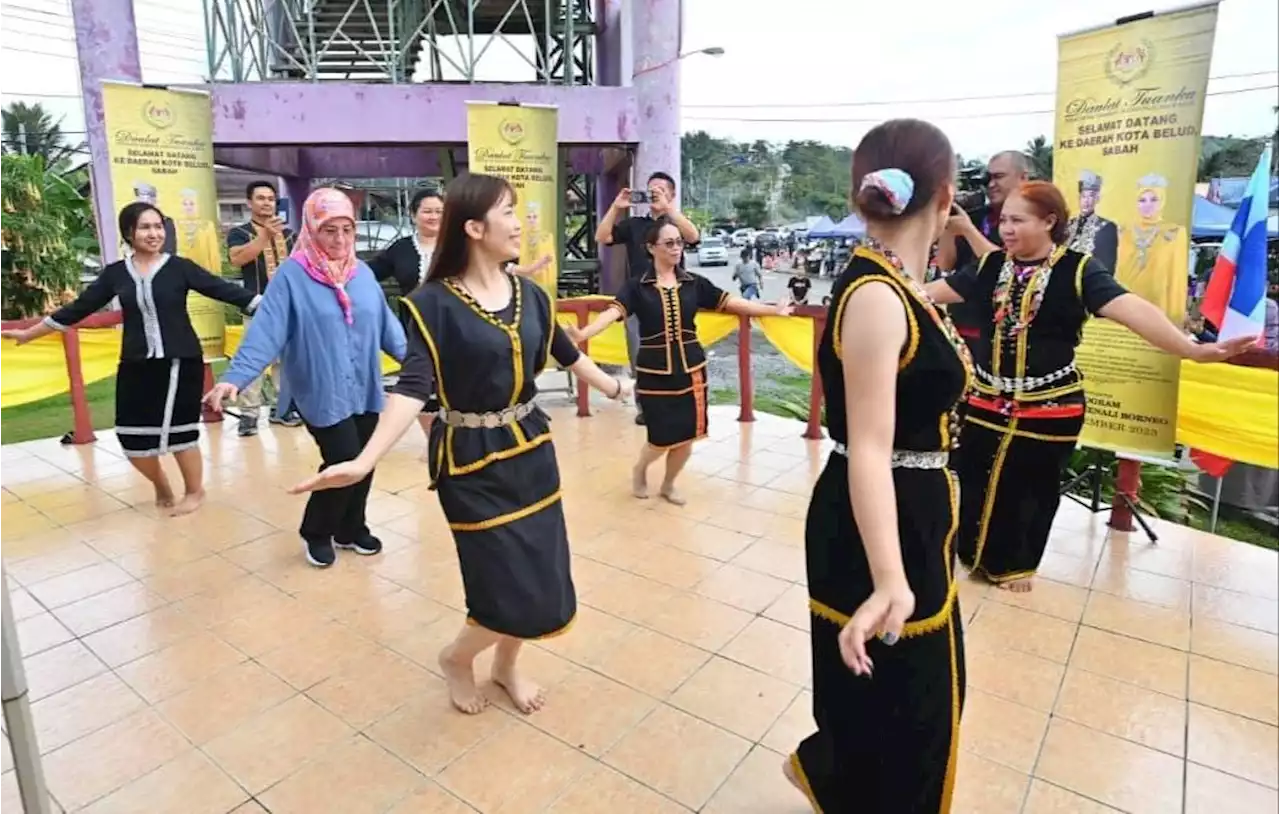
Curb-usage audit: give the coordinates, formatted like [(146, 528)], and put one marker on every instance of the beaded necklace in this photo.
[(1009, 317), (942, 320)]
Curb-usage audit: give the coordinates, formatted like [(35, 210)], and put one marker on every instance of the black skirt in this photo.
[(674, 407), (158, 405), (508, 525), (1010, 468), (887, 743)]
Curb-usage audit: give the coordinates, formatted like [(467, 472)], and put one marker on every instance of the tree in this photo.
[(31, 130), (41, 262), (1228, 157), (752, 210), (1040, 154)]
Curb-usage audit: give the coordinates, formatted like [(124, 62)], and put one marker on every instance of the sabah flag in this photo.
[(1236, 299)]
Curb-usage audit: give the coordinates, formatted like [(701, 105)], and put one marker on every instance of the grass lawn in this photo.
[(51, 417)]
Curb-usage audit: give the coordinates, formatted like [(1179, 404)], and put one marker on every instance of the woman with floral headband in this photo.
[(1023, 421), (888, 657), (325, 318)]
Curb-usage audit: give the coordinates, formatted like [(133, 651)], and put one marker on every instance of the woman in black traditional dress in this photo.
[(479, 336), (1022, 422), (671, 378), (161, 372), (888, 660)]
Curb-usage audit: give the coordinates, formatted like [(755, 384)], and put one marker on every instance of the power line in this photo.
[(984, 115), (934, 100)]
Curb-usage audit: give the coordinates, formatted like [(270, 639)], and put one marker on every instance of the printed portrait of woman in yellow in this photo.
[(198, 237), (538, 249), (1153, 253)]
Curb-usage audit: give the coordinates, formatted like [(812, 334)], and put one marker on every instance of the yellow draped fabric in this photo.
[(793, 337), (1226, 410), (1230, 411)]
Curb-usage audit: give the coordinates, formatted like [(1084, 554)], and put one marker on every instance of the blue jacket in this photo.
[(330, 370)]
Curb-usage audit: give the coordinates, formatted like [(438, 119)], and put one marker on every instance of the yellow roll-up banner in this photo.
[(518, 143), (160, 143), (1126, 148)]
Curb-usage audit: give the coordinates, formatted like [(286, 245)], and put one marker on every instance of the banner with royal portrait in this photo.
[(1130, 102)]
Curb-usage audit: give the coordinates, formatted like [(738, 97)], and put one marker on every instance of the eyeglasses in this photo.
[(672, 243)]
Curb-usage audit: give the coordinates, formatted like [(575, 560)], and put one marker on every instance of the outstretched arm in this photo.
[(749, 308), (1150, 323)]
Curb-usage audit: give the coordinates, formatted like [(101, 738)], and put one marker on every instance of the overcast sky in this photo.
[(827, 61)]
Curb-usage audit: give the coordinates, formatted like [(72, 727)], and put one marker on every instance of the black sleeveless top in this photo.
[(932, 376), (1076, 287)]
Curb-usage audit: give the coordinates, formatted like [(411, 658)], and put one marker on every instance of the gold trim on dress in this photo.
[(1035, 436), (993, 484), (953, 756), (509, 517), (908, 352), (798, 768)]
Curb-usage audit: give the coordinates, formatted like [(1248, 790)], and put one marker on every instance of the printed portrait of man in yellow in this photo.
[(197, 237), (1153, 253)]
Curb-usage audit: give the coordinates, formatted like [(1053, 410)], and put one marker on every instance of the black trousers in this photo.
[(338, 514)]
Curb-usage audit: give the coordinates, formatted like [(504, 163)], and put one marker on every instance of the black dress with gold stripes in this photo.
[(671, 377), (1023, 420), (887, 743), (491, 457)]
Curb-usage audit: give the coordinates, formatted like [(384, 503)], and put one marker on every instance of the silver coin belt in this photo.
[(1006, 384), (909, 458), (491, 421)]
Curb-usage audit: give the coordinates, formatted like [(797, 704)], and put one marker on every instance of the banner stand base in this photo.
[(1092, 474)]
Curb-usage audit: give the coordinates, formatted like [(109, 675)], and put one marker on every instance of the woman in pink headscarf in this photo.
[(325, 317)]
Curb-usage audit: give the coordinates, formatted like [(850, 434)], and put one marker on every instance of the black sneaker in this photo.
[(248, 426), (367, 545), (290, 419), (320, 553), (640, 419)]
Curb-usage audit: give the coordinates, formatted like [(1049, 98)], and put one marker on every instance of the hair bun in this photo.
[(872, 203)]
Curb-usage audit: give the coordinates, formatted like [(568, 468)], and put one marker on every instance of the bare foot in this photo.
[(164, 495), (639, 483), (189, 503), (1017, 586), (789, 772), (673, 497), (461, 679), (527, 696)]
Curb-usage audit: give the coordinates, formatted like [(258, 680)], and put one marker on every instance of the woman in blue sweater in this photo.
[(325, 317)]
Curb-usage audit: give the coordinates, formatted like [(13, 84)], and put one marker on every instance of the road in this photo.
[(775, 282)]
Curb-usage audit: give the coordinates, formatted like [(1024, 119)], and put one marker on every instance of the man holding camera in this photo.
[(619, 227), (258, 248), (974, 228)]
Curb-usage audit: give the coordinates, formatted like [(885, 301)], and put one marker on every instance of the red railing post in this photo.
[(1128, 482), (207, 414), (746, 385), (584, 394), (813, 430), (82, 430)]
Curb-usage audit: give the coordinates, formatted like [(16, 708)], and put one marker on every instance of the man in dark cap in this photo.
[(1089, 232)]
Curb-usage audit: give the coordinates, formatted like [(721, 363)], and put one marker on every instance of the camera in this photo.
[(971, 200), (639, 196)]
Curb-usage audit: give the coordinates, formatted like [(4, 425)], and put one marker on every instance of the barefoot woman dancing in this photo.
[(478, 338), (1031, 301), (671, 380), (888, 663), (161, 371)]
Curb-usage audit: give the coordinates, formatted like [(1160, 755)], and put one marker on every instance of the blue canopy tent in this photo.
[(1211, 221), (823, 229), (852, 226)]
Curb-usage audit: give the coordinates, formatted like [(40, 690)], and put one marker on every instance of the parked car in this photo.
[(743, 237), (713, 252)]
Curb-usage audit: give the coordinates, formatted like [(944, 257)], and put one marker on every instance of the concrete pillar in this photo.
[(655, 38), (610, 51), (107, 46), (296, 190)]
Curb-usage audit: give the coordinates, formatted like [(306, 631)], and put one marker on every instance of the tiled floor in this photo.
[(198, 665)]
